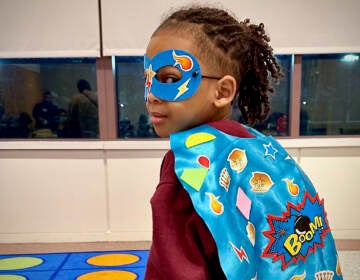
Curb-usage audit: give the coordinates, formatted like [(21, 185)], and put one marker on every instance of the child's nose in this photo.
[(153, 99)]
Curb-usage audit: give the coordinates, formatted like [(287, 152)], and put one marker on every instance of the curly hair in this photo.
[(240, 49)]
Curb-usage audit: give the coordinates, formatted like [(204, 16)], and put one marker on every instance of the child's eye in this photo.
[(168, 75), (168, 80)]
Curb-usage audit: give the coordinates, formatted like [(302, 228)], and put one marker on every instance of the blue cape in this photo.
[(262, 210)]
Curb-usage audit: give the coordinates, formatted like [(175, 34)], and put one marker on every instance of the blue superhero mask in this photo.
[(172, 75)]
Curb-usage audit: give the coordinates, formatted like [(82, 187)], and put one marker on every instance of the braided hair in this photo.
[(240, 49)]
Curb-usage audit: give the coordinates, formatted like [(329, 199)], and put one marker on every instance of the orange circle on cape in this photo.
[(108, 274), (112, 259)]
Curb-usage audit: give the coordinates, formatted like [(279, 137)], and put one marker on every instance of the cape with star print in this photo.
[(262, 210)]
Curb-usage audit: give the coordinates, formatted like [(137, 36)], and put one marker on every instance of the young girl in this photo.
[(231, 203)]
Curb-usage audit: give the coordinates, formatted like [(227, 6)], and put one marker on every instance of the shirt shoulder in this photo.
[(167, 171), (232, 128)]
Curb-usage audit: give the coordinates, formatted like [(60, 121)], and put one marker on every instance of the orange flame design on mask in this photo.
[(184, 61)]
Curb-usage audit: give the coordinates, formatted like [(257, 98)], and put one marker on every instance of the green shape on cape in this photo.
[(194, 177)]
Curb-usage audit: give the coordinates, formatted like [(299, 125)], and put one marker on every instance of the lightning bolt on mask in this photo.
[(172, 75)]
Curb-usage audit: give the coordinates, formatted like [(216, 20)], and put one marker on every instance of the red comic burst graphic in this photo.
[(298, 232)]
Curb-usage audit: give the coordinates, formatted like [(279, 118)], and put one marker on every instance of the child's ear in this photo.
[(226, 90)]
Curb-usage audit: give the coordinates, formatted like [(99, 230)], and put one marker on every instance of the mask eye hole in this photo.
[(168, 75)]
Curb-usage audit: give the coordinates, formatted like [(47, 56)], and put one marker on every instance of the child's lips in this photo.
[(157, 118)]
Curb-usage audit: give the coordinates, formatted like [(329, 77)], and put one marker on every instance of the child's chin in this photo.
[(161, 133)]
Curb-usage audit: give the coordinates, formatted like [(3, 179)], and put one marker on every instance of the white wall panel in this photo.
[(41, 193), (103, 194), (334, 173), (49, 28), (132, 181), (297, 26)]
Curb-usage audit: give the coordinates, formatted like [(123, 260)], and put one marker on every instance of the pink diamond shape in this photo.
[(243, 203)]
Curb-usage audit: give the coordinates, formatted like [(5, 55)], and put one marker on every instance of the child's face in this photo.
[(173, 116)]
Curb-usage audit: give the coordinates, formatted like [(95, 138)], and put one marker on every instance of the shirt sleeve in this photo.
[(182, 247)]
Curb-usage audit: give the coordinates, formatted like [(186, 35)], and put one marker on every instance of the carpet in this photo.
[(109, 265)]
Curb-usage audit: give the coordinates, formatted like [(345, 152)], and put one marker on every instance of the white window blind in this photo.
[(67, 28), (295, 27), (49, 28)]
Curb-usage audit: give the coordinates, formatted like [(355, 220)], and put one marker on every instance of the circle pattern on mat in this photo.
[(108, 274), (19, 263), (12, 277), (113, 259)]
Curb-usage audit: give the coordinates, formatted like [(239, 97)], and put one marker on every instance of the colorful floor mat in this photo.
[(109, 265)]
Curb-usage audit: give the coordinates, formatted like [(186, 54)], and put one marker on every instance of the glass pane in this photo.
[(133, 117), (48, 98), (330, 97), (277, 122), (132, 113)]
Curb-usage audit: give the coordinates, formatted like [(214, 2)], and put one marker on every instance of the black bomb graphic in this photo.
[(302, 225)]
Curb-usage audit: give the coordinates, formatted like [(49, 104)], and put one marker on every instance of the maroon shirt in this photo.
[(183, 247)]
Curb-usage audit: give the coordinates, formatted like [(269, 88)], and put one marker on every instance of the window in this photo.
[(132, 114), (330, 98), (133, 117), (277, 122), (40, 98)]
